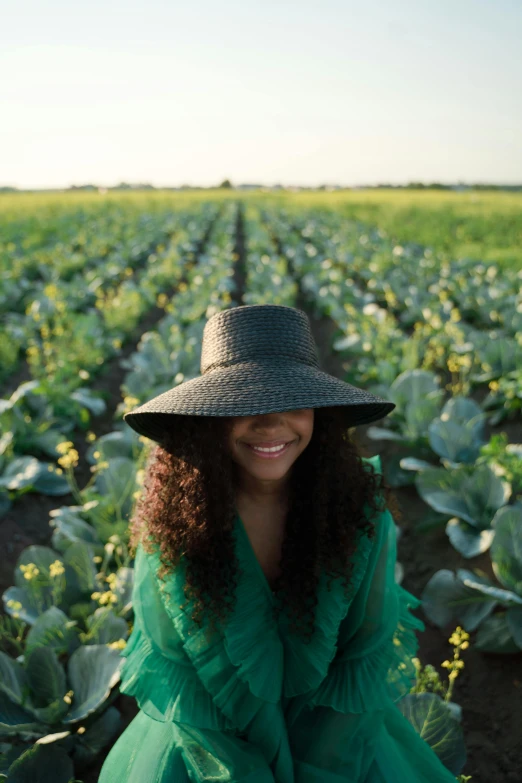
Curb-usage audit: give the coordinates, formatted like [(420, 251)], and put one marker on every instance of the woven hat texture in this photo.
[(256, 359)]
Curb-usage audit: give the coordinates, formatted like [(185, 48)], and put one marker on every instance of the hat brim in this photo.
[(253, 388)]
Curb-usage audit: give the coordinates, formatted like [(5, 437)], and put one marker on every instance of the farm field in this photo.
[(414, 295)]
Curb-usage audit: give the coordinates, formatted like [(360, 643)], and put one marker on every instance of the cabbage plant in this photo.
[(470, 495), (418, 398), (57, 693), (30, 427), (63, 708), (470, 597)]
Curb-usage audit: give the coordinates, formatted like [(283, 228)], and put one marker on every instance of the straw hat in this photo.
[(256, 359)]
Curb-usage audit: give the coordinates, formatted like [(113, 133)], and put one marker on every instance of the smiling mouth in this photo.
[(269, 451)]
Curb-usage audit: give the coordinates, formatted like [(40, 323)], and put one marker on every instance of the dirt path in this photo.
[(240, 254)]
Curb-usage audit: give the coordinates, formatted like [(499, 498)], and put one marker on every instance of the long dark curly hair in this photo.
[(187, 508)]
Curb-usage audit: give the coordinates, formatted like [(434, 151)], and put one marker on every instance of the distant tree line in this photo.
[(227, 184)]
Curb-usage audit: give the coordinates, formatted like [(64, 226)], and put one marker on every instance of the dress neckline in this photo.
[(252, 555)]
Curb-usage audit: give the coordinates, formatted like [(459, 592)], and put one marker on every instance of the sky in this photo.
[(302, 93)]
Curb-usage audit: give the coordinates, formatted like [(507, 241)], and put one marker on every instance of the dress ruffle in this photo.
[(164, 689), (241, 674), (306, 665), (375, 679)]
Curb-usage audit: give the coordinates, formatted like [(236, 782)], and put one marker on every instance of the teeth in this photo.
[(274, 448)]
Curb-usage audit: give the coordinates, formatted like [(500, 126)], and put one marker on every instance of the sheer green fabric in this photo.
[(256, 703)]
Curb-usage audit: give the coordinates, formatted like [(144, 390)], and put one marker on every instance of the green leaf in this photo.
[(14, 720), (42, 764), (42, 557), (411, 463), (379, 433), (10, 755), (117, 483), (474, 498), (93, 670), (70, 528), (506, 550), (466, 539), (45, 676), (109, 627), (29, 611), (87, 399), (52, 629), (51, 483), (114, 444), (21, 472), (434, 722), (505, 597), (79, 556), (123, 585), (5, 502), (514, 621), (458, 433), (494, 635), (445, 599), (12, 678), (100, 734)]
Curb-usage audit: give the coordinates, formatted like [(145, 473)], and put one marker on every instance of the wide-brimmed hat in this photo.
[(256, 359)]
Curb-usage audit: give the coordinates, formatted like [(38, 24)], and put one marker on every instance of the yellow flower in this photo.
[(70, 460), (51, 291), (105, 598), (119, 645), (63, 448), (56, 569), (68, 697), (30, 571)]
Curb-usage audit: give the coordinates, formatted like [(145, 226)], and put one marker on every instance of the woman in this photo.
[(271, 641)]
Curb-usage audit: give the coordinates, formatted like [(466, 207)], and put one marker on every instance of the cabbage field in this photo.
[(103, 298)]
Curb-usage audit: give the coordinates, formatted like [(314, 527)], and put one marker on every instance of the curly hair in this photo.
[(187, 509)]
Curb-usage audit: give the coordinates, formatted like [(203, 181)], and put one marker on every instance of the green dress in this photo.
[(257, 703)]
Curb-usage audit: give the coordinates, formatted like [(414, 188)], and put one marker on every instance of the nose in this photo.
[(267, 419)]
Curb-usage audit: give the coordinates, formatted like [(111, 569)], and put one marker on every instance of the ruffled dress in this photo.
[(256, 703)]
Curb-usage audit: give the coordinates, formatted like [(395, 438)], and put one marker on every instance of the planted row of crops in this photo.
[(441, 429), (75, 596), (424, 346)]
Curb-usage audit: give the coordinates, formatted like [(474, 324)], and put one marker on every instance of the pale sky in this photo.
[(296, 93)]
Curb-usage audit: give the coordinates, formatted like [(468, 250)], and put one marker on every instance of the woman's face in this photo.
[(249, 434)]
